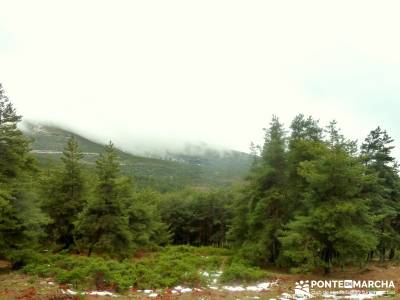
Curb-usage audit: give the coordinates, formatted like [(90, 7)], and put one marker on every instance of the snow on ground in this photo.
[(234, 288), (260, 287), (101, 293), (213, 279), (91, 293), (182, 290), (69, 292), (205, 274), (153, 295), (179, 290)]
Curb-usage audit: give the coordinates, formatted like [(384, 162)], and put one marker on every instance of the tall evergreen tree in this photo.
[(336, 225), (197, 217), (66, 195), (376, 154), (20, 218), (305, 143), (104, 224), (262, 210), (145, 225)]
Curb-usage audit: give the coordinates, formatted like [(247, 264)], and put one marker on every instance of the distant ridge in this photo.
[(198, 165)]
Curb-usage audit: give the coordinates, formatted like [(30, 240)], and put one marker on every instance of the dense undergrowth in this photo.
[(168, 267)]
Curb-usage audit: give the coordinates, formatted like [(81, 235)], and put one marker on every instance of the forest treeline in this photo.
[(312, 200)]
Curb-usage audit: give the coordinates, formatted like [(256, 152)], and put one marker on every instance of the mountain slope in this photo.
[(207, 167)]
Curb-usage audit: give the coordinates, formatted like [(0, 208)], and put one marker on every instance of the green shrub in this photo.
[(171, 266), (239, 271)]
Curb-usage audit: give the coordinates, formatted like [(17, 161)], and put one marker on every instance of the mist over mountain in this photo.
[(164, 168), (163, 147)]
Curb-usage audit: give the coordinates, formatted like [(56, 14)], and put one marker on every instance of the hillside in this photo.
[(203, 167)]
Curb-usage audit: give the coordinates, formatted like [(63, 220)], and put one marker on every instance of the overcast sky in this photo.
[(165, 72)]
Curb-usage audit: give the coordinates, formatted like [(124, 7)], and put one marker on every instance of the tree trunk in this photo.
[(327, 260), (392, 253), (382, 254), (90, 250)]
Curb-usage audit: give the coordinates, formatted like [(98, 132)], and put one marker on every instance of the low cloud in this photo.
[(156, 75)]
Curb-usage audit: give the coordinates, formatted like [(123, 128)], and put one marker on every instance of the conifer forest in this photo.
[(312, 202), (199, 150)]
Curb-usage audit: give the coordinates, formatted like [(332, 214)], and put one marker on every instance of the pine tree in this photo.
[(197, 217), (305, 143), (305, 129), (264, 201), (376, 154), (66, 195), (145, 225), (20, 218), (104, 224), (336, 226)]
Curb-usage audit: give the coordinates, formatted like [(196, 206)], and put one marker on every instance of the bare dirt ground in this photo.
[(14, 285)]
